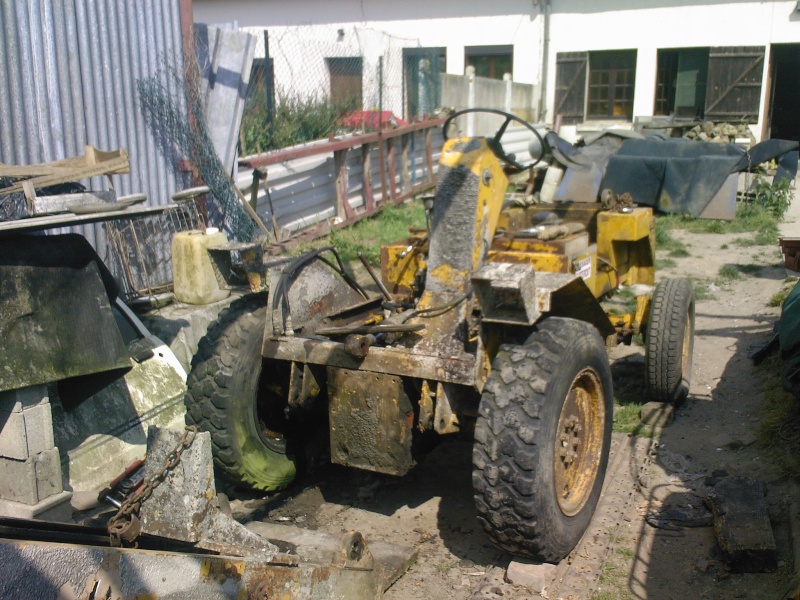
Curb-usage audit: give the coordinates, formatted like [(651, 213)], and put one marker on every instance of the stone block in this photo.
[(17, 400), (26, 432), (657, 414), (48, 473), (534, 576), (13, 440), (18, 480), (55, 508), (39, 428)]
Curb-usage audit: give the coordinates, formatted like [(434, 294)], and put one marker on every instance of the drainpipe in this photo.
[(544, 10)]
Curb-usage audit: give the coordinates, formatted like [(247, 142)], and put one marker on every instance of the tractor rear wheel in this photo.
[(542, 439), (669, 341), (232, 397)]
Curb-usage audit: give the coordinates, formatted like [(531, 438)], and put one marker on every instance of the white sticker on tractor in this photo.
[(583, 267)]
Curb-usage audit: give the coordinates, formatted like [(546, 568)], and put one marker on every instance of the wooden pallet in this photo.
[(91, 164)]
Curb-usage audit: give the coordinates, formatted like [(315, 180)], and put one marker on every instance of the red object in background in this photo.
[(370, 120)]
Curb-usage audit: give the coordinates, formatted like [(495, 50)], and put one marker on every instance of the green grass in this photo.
[(444, 567), (627, 419), (622, 302), (728, 273), (778, 298), (732, 272), (749, 218), (779, 431), (665, 263), (702, 289), (389, 225), (679, 252)]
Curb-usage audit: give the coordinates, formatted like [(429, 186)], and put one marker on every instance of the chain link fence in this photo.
[(313, 81)]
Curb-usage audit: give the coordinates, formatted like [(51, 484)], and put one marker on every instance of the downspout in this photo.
[(544, 9)]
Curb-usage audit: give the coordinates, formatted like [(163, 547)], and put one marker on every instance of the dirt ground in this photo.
[(622, 555)]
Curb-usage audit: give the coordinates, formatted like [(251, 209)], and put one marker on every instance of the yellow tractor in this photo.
[(488, 324)]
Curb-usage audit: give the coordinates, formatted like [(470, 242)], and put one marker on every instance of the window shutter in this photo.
[(733, 88), (571, 86)]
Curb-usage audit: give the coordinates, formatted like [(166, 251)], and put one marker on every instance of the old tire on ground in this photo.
[(225, 397), (542, 439), (669, 341)]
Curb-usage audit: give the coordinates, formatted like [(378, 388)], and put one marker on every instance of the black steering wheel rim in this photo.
[(494, 141)]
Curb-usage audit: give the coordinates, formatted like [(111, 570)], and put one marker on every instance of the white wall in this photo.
[(578, 25), (420, 23)]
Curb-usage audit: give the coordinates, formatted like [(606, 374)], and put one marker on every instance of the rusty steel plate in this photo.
[(371, 419)]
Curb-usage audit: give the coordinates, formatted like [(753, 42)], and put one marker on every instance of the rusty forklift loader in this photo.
[(480, 328)]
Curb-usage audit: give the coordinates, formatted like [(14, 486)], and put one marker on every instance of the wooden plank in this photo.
[(429, 155), (405, 143), (343, 208), (742, 525), (45, 205), (68, 219), (113, 166), (392, 169), (366, 186)]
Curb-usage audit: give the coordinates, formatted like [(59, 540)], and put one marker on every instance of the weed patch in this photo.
[(778, 298), (679, 252), (389, 225), (779, 432), (750, 217), (665, 263)]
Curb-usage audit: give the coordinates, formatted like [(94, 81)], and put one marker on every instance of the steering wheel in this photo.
[(494, 141)]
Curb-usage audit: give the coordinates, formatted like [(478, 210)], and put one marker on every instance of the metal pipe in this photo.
[(545, 12), (374, 276)]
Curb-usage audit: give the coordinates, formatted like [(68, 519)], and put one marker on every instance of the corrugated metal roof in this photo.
[(69, 70)]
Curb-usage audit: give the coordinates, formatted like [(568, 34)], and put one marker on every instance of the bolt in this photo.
[(262, 591)]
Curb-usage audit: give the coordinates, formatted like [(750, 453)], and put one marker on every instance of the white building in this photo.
[(593, 62)]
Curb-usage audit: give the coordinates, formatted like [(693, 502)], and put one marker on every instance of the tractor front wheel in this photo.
[(542, 439), (231, 396)]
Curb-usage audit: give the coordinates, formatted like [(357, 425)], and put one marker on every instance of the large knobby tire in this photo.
[(669, 341), (225, 398), (542, 439)]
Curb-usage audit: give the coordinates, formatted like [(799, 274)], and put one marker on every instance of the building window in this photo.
[(681, 82), (346, 86), (490, 61), (612, 77)]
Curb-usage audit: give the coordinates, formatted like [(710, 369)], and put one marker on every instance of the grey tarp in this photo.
[(681, 176)]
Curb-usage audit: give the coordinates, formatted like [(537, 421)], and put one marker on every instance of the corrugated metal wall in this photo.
[(68, 73)]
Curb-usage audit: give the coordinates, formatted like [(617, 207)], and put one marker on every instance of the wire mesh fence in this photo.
[(310, 82), (141, 248)]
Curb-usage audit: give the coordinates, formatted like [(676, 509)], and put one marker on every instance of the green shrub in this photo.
[(297, 120), (775, 197)]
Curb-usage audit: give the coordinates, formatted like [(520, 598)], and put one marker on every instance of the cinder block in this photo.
[(13, 439), (55, 508), (534, 576), (48, 473), (657, 414), (39, 428), (18, 480), (27, 432), (17, 400)]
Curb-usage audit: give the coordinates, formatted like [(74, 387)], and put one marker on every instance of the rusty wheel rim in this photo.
[(579, 442)]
